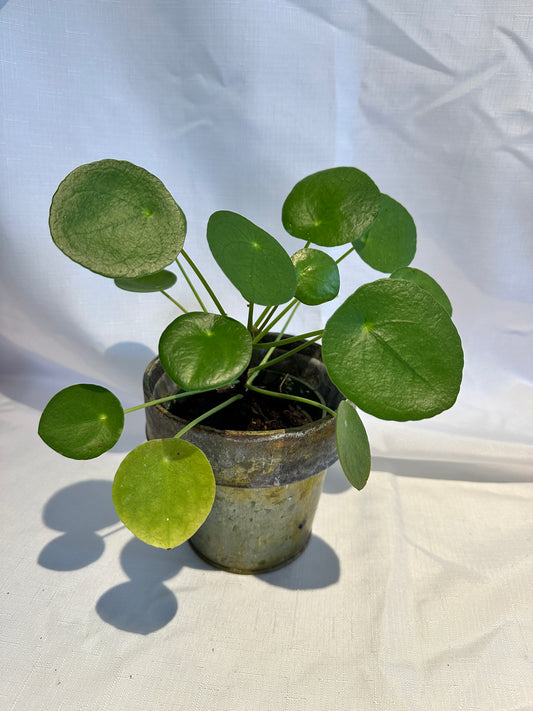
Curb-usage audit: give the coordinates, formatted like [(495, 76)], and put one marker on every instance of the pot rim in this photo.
[(240, 434)]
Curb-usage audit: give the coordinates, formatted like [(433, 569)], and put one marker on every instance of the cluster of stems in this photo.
[(258, 328)]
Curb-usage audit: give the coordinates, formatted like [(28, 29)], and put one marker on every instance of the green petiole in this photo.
[(207, 414), (191, 285), (174, 301), (204, 281), (295, 398), (168, 398)]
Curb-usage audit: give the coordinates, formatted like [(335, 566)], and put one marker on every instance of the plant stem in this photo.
[(295, 398), (266, 362), (176, 396), (205, 415), (337, 261), (174, 301), (250, 316), (204, 282), (265, 315), (191, 285), (269, 326), (292, 339)]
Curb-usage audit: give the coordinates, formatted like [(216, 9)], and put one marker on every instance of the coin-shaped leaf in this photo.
[(116, 219), (392, 350), (82, 421), (317, 276), (202, 351), (151, 282), (163, 491), (390, 242), (352, 445), (253, 260), (331, 207), (426, 282)]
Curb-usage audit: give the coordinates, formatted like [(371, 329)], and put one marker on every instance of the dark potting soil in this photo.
[(254, 412)]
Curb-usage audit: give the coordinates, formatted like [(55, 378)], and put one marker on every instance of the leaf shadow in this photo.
[(79, 511), (144, 604)]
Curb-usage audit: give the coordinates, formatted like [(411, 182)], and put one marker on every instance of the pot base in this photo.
[(258, 571), (252, 530)]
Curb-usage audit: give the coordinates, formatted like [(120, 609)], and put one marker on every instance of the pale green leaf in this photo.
[(163, 491)]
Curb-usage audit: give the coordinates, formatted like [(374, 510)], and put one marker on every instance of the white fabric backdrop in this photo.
[(424, 599)]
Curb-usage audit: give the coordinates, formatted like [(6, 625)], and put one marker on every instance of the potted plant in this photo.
[(390, 349)]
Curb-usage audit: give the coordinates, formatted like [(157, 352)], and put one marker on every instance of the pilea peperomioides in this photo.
[(391, 347)]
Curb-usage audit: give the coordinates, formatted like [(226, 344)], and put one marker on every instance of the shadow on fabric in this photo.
[(79, 511), (144, 604), (317, 567)]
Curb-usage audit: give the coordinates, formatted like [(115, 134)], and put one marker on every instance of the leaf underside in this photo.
[(352, 445), (159, 281)]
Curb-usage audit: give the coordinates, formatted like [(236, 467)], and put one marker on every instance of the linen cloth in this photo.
[(413, 594)]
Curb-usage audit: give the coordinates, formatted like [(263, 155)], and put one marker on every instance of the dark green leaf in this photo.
[(317, 276), (331, 207), (352, 445), (163, 491), (393, 351), (426, 282), (252, 259), (116, 219), (202, 351), (390, 242), (82, 421), (159, 281)]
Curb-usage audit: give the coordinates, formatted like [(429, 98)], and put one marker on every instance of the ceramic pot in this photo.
[(267, 483)]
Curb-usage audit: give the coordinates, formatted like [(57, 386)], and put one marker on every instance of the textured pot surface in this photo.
[(268, 483)]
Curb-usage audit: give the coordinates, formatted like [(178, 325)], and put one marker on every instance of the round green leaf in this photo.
[(163, 491), (116, 219), (82, 421), (352, 445), (390, 242), (392, 350), (317, 276), (331, 207), (426, 282), (253, 260), (202, 351), (151, 282)]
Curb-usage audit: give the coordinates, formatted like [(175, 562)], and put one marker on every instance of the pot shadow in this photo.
[(83, 513), (335, 481), (79, 511), (317, 567), (454, 471)]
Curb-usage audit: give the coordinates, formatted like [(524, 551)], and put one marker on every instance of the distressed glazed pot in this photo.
[(267, 483)]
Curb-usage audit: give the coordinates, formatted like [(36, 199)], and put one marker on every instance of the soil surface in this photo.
[(254, 412)]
